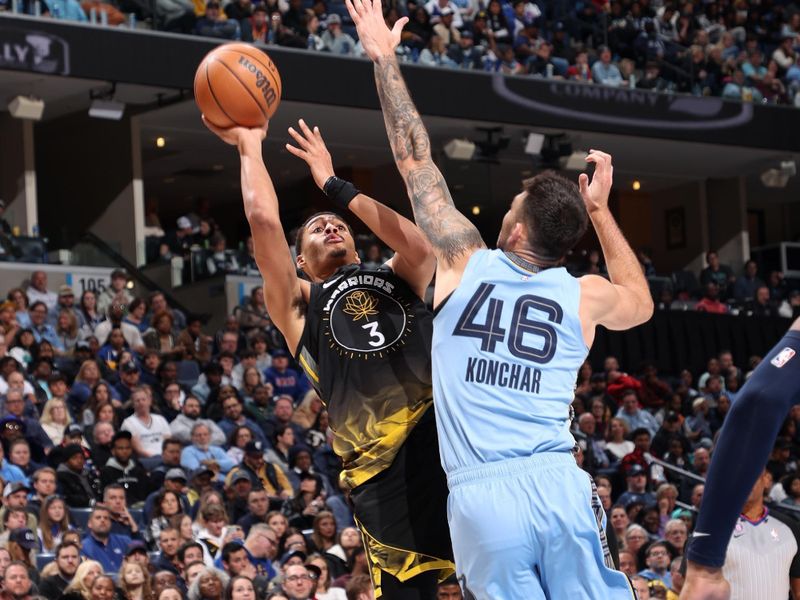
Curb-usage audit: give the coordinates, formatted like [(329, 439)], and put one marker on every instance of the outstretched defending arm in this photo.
[(453, 237), (413, 260), (625, 301), (283, 291)]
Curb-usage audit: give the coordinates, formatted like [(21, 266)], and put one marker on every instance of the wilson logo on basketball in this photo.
[(261, 81)]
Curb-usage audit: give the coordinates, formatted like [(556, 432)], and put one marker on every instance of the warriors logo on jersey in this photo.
[(364, 318)]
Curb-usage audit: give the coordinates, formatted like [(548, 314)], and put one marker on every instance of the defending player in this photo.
[(740, 454), (363, 338), (511, 330)]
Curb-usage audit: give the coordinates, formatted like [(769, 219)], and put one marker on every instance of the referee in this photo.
[(763, 559)]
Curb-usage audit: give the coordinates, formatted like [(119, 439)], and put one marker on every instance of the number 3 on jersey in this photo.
[(374, 334), (490, 331)]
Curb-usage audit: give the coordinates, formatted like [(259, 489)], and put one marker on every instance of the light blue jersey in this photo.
[(525, 521), (507, 346)]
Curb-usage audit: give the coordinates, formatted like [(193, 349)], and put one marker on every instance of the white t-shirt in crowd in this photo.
[(151, 435)]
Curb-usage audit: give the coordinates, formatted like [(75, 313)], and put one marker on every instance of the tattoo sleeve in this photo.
[(450, 233)]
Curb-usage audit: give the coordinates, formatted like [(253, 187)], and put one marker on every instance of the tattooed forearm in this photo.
[(450, 232)]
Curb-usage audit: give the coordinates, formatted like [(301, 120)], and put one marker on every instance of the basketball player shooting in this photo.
[(363, 338), (511, 331)]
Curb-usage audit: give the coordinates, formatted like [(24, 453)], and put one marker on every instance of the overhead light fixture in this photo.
[(636, 185), (476, 210), (457, 149), (160, 142), (104, 106), (26, 107), (106, 109), (778, 178), (534, 143), (575, 161)]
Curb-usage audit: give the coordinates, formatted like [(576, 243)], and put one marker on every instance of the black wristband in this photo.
[(340, 191)]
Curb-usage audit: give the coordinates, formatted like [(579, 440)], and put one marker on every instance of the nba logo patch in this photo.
[(783, 357)]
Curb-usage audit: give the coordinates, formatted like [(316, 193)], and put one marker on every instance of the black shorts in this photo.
[(402, 511)]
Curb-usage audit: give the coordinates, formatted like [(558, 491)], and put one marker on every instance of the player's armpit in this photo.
[(613, 306)]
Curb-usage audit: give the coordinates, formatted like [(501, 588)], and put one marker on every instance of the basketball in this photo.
[(237, 84)]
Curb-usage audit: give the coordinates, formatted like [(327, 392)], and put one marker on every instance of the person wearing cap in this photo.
[(334, 40), (15, 497), (238, 485), (266, 475), (124, 470), (73, 481), (40, 442), (129, 376), (446, 29), (213, 24), (116, 292), (636, 479), (285, 380), (202, 452), (66, 301), (698, 425), (37, 291), (179, 241), (435, 8)]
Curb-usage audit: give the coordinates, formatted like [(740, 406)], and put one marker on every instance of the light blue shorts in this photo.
[(525, 529)]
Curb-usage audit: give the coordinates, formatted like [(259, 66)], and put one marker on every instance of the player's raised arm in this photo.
[(413, 260), (282, 289), (625, 301), (453, 237)]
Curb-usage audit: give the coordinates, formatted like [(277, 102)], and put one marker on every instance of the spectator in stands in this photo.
[(29, 427), (136, 314), (91, 317), (160, 337), (66, 301), (209, 584), (761, 305), (157, 303), (181, 426), (74, 480), (634, 416), (39, 326), (148, 430), (213, 24), (676, 533), (298, 584), (264, 474), (123, 469), (37, 291), (202, 452), (737, 89), (604, 71), (746, 285), (233, 408), (636, 479), (196, 345), (657, 558), (100, 544), (116, 293), (283, 379), (220, 260), (334, 39), (131, 333), (710, 301), (67, 559)]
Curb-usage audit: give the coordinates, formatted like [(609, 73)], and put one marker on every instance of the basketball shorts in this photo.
[(402, 511), (526, 529)]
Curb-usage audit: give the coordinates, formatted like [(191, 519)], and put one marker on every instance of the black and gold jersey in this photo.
[(366, 349)]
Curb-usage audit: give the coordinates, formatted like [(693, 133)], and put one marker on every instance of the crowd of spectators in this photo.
[(734, 49), (715, 289)]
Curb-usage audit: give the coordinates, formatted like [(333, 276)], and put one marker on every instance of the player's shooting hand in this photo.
[(376, 37), (312, 149), (595, 194), (235, 136)]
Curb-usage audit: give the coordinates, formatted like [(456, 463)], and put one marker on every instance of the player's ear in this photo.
[(300, 261), (517, 235)]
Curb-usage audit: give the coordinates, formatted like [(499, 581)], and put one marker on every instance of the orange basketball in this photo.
[(237, 84)]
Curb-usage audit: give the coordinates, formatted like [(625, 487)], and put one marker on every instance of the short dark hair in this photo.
[(298, 244), (229, 549), (64, 546), (554, 214), (184, 547), (640, 431), (171, 441)]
